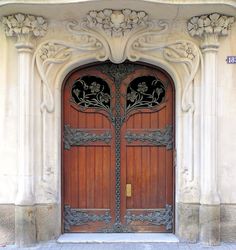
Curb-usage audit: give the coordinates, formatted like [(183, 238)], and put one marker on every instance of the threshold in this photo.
[(117, 237)]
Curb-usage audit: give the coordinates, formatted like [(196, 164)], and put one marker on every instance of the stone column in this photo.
[(25, 28), (209, 28)]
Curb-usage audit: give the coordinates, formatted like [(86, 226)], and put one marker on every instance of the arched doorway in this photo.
[(118, 141)]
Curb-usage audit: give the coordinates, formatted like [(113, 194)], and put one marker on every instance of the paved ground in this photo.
[(124, 246)]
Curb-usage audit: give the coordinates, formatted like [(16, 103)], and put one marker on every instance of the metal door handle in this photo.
[(128, 190)]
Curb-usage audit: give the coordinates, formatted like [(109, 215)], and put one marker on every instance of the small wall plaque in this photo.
[(231, 59)]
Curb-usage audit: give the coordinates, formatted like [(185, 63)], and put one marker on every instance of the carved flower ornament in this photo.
[(116, 22), (21, 24), (186, 50), (210, 24), (48, 51)]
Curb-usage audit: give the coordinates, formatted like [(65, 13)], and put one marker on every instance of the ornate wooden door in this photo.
[(118, 137)]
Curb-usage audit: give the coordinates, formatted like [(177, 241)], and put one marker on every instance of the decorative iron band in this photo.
[(116, 228), (77, 137), (78, 217), (159, 137), (158, 217)]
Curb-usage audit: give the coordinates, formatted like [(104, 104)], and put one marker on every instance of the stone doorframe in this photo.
[(190, 62)]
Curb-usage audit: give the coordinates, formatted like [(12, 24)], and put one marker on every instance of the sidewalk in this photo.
[(124, 246)]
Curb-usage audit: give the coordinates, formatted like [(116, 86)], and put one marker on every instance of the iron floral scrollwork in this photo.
[(144, 92), (77, 137), (117, 73), (91, 92), (78, 217), (116, 228), (158, 217), (159, 137)]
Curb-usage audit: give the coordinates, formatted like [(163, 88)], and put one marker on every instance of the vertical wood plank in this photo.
[(106, 176), (154, 177), (137, 177), (82, 178), (90, 176), (162, 161), (129, 169)]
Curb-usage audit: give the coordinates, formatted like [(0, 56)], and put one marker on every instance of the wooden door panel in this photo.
[(87, 166), (145, 174)]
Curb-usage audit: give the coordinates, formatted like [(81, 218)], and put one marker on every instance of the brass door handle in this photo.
[(128, 190)]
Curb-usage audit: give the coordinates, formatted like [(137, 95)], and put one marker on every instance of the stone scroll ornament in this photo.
[(114, 31)]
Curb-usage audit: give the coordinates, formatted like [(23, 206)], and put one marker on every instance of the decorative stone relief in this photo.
[(21, 25), (118, 35), (116, 22), (114, 31), (210, 24), (209, 28), (25, 27)]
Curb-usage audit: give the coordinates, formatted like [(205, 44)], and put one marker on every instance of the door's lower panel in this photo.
[(150, 220), (100, 220), (86, 220)]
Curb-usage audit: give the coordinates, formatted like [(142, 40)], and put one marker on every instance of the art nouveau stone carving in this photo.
[(22, 25), (116, 22), (208, 28), (120, 35), (210, 24), (114, 31)]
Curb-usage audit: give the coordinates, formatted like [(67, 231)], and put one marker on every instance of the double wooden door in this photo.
[(118, 138)]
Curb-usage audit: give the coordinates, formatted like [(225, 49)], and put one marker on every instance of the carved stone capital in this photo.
[(24, 27), (209, 28)]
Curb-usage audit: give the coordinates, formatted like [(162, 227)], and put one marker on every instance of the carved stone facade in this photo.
[(48, 49)]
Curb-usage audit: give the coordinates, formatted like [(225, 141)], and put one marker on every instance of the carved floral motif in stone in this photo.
[(116, 22), (103, 36), (112, 32), (210, 24), (24, 24)]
